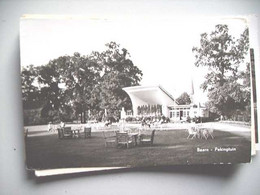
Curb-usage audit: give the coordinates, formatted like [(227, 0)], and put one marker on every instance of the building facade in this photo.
[(149, 96)]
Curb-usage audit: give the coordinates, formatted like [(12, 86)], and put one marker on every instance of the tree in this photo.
[(50, 93), (80, 76), (184, 99), (81, 84), (31, 96), (30, 92), (118, 72), (223, 55)]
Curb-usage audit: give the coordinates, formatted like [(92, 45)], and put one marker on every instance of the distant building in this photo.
[(149, 97), (182, 112)]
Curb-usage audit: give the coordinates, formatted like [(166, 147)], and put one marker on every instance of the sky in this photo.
[(161, 48)]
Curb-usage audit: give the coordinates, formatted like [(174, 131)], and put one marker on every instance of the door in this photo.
[(181, 114)]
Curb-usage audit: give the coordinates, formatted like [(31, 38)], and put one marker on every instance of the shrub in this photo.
[(33, 117)]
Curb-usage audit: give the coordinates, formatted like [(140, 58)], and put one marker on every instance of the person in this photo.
[(161, 121), (108, 122), (49, 126), (62, 124), (146, 122), (143, 122)]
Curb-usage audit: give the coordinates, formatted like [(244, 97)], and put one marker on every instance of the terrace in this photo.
[(171, 147)]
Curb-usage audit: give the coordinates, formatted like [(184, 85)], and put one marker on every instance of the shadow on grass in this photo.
[(171, 153)]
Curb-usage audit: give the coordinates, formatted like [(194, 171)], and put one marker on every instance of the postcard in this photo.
[(102, 94)]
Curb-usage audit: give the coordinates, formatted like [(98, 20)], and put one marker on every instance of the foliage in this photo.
[(81, 85), (221, 53), (118, 72), (224, 55), (33, 117), (30, 92), (50, 93), (80, 76), (184, 99)]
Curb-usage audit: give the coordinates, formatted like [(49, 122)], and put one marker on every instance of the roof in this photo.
[(150, 95)]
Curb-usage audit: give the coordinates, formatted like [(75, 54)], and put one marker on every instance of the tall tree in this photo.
[(118, 72), (50, 94), (223, 55), (85, 84), (80, 76)]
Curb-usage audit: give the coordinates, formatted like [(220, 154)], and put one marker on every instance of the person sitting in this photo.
[(143, 122), (146, 123), (161, 121), (107, 123)]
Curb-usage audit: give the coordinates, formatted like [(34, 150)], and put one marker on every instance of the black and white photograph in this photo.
[(126, 92)]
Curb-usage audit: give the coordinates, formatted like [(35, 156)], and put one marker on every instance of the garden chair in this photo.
[(208, 133), (110, 141), (192, 132), (121, 126), (147, 139), (87, 132), (60, 133), (123, 139), (67, 133)]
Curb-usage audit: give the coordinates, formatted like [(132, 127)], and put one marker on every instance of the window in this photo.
[(129, 112), (177, 114), (184, 113), (172, 114)]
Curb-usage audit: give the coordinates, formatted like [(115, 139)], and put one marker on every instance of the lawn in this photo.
[(170, 147)]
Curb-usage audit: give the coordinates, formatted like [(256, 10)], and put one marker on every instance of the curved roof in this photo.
[(150, 95)]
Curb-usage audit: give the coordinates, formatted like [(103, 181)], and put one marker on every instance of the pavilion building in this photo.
[(148, 96)]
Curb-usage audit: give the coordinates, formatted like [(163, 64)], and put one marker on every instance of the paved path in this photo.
[(41, 130), (228, 127)]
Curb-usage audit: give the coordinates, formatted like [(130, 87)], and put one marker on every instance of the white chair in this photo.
[(210, 131), (204, 133), (192, 132), (207, 132)]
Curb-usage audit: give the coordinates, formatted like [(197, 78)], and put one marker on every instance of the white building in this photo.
[(156, 95), (182, 112)]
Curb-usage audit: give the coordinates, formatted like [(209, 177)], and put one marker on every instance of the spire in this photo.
[(192, 92), (192, 87)]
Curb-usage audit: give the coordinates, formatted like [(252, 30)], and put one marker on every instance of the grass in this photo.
[(170, 148)]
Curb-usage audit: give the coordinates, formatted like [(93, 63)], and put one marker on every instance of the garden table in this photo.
[(75, 133)]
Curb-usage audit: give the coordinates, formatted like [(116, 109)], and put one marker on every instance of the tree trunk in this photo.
[(81, 117), (84, 116)]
